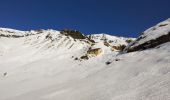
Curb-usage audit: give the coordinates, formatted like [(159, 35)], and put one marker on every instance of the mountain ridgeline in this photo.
[(67, 39), (151, 38)]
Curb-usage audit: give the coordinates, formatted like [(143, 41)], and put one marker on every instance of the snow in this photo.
[(40, 68)]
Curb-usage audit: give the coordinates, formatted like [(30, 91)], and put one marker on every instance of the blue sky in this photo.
[(116, 17)]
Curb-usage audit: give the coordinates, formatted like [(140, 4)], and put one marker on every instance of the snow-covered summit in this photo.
[(113, 40)]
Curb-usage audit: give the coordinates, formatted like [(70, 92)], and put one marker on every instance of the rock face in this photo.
[(151, 38), (73, 33), (95, 52), (119, 47)]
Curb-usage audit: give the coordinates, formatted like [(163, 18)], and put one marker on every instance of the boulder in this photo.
[(95, 51), (85, 57)]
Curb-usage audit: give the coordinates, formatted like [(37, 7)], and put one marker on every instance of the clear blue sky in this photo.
[(116, 17)]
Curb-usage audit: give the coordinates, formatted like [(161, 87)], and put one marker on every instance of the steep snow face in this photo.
[(152, 37)]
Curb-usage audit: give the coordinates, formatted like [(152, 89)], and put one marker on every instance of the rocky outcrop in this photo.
[(119, 47), (10, 36), (84, 57), (107, 44), (95, 51), (90, 53), (73, 33), (76, 35), (129, 40), (151, 43), (151, 38)]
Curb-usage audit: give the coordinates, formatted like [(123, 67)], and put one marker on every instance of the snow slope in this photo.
[(43, 67)]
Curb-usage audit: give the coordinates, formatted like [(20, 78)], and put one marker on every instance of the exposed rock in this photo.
[(95, 52), (12, 36), (85, 57), (108, 62), (76, 58), (5, 74), (107, 44), (117, 59), (48, 36), (73, 33), (129, 40), (77, 35), (119, 47), (151, 43)]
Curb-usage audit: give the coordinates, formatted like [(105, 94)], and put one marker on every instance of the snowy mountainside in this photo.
[(44, 66), (52, 41), (152, 37), (39, 56), (42, 40)]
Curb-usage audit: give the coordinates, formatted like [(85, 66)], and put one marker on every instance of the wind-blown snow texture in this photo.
[(42, 66)]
